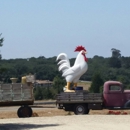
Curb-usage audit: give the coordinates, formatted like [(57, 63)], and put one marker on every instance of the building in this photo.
[(43, 83)]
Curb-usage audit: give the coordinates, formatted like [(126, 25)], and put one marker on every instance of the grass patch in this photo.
[(86, 85)]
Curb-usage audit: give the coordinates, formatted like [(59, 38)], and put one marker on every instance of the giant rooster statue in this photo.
[(73, 74)]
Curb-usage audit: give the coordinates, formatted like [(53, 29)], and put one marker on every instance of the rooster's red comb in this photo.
[(80, 48)]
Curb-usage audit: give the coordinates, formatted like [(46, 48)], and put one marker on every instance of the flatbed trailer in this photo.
[(17, 94), (80, 102)]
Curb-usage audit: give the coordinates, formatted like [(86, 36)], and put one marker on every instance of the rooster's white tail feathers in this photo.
[(64, 63), (61, 62), (62, 56), (63, 67)]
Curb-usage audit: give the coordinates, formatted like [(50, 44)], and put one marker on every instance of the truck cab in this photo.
[(114, 95)]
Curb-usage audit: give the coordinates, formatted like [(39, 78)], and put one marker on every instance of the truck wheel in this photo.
[(127, 104), (24, 111), (81, 109)]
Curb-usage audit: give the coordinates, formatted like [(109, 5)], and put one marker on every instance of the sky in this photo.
[(33, 28)]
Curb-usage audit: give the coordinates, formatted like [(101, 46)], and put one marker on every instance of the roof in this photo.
[(43, 82)]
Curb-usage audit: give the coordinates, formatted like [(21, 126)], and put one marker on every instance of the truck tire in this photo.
[(80, 109), (127, 104), (24, 111)]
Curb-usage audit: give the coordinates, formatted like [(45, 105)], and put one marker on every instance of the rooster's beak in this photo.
[(85, 52)]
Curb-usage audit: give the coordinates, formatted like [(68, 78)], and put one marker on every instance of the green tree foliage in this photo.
[(115, 60), (47, 69), (116, 53), (41, 93), (97, 83), (49, 92), (38, 93), (125, 61), (58, 84)]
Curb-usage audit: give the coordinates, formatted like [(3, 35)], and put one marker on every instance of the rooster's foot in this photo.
[(67, 90)]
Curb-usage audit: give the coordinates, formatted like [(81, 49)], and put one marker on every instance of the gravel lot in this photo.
[(70, 122)]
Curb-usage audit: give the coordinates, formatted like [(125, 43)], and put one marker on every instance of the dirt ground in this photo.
[(50, 110)]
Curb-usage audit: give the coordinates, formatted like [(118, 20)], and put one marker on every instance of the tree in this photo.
[(1, 41), (125, 62), (2, 69), (58, 84), (38, 93), (97, 83), (116, 53), (115, 61)]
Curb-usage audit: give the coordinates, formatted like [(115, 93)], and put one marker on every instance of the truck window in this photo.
[(114, 88)]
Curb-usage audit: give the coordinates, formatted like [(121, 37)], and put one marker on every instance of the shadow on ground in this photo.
[(17, 126)]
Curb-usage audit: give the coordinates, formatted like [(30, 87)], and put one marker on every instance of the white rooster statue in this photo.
[(73, 74)]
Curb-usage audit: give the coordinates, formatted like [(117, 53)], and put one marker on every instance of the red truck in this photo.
[(80, 102)]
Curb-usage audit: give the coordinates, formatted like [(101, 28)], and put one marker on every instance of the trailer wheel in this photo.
[(24, 111), (81, 109)]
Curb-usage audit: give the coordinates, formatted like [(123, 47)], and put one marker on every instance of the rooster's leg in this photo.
[(68, 86)]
